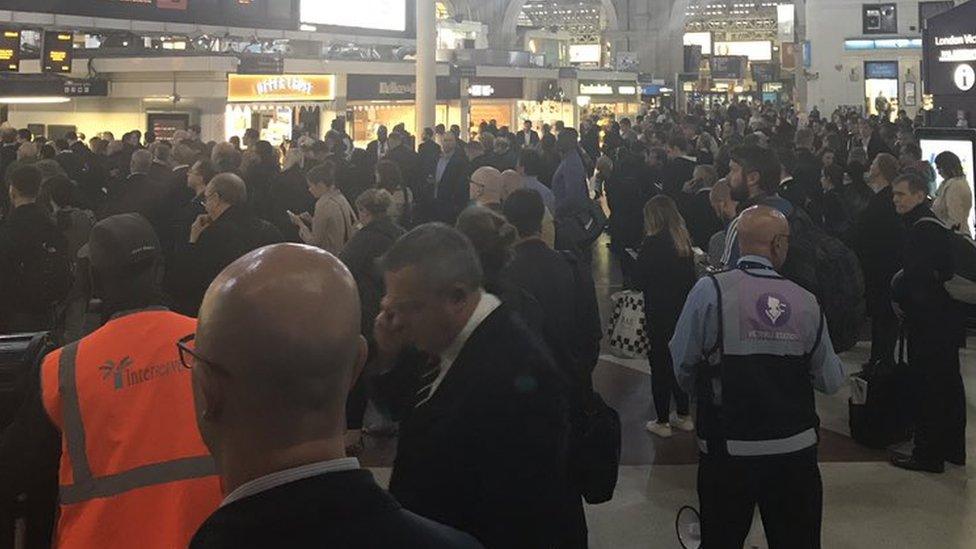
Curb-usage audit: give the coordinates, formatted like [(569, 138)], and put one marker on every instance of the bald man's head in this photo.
[(281, 326), (765, 232)]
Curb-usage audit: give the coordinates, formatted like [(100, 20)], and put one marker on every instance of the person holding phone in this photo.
[(334, 221)]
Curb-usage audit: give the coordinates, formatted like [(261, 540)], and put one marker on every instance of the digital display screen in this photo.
[(932, 143), (585, 53), (273, 14), (58, 51), (384, 15), (9, 50)]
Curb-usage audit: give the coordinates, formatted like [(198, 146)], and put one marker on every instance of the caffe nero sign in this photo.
[(949, 43), (396, 87)]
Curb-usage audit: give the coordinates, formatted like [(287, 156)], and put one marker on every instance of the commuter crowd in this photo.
[(231, 315)]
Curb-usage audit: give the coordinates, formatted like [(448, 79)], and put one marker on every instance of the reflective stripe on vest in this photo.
[(754, 448), (86, 486), (766, 322)]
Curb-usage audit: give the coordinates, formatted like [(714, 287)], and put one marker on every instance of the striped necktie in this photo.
[(427, 379)]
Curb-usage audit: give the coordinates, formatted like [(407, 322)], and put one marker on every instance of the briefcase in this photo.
[(881, 405), (596, 451)]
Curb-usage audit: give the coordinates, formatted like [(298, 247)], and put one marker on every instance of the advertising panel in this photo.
[(755, 50), (585, 53)]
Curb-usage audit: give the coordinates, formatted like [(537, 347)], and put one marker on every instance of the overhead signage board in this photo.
[(85, 87), (500, 88), (9, 50), (601, 88), (270, 14), (949, 52), (881, 70), (398, 87), (58, 51), (38, 85), (616, 87), (261, 64), (254, 88)]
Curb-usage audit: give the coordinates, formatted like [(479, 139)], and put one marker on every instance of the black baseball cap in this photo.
[(120, 241)]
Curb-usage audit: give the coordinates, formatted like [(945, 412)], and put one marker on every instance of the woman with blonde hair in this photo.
[(665, 271)]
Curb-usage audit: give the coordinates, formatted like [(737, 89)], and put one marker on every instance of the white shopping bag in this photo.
[(627, 331)]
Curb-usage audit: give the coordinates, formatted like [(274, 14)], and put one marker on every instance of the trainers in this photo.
[(682, 423), (662, 430)]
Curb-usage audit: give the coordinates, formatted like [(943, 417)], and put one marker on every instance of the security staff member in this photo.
[(134, 469), (753, 346)]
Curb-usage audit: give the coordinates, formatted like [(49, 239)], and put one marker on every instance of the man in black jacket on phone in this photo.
[(276, 350)]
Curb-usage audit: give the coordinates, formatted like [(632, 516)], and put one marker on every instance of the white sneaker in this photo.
[(682, 423), (662, 430)]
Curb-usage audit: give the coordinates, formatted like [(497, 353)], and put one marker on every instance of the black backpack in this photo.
[(42, 272), (829, 270)]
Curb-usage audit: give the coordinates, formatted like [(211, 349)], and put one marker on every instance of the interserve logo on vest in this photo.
[(124, 373)]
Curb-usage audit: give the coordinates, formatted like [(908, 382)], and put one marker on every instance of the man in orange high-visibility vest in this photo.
[(134, 471)]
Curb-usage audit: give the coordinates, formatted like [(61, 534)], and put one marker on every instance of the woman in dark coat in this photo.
[(665, 271), (360, 255), (289, 193)]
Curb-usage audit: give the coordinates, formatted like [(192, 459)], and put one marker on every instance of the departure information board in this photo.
[(278, 14), (9, 50), (58, 52)]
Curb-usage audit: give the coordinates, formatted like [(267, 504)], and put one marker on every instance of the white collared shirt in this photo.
[(486, 306), (280, 478)]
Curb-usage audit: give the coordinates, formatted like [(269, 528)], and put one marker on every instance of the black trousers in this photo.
[(940, 427), (664, 386), (884, 332), (787, 489)]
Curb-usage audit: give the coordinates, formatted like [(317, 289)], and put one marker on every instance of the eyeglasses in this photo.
[(189, 357)]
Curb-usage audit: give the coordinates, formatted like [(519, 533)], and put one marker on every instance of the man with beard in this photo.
[(754, 179)]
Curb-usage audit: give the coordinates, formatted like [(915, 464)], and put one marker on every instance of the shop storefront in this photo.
[(881, 88), (280, 107), (388, 100), (494, 99), (545, 112), (609, 99)]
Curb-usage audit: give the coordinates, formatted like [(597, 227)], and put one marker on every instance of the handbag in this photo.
[(881, 406), (627, 329), (596, 452)]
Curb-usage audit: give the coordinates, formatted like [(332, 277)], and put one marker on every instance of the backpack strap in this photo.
[(933, 220)]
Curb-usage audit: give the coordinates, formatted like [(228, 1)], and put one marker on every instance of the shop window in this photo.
[(879, 18)]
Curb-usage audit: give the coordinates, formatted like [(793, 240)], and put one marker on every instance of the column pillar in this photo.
[(426, 66), (465, 103)]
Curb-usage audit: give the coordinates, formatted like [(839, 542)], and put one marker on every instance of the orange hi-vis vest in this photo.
[(134, 470)]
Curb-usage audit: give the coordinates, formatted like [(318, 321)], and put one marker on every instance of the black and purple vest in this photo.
[(755, 392)]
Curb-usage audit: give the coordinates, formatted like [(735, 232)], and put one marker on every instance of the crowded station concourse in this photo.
[(373, 310)]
